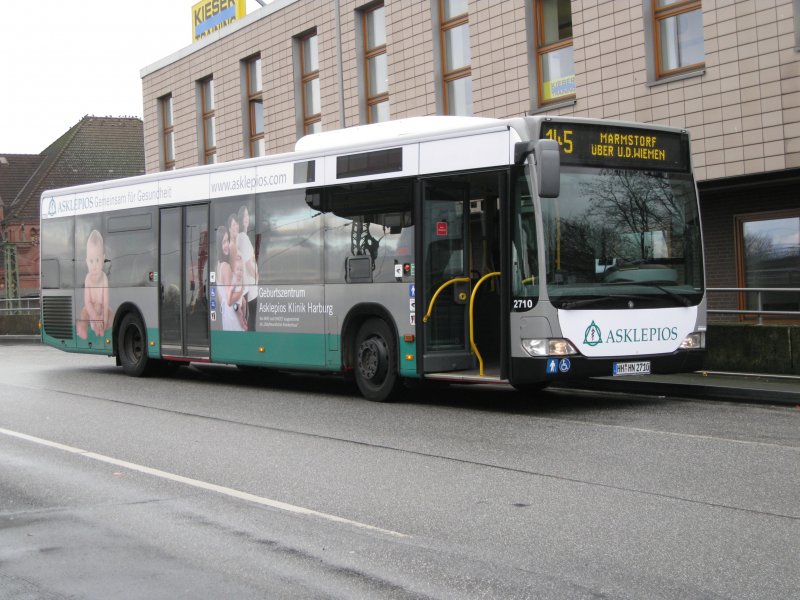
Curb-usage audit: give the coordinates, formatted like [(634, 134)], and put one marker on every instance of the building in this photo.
[(726, 70), (94, 149)]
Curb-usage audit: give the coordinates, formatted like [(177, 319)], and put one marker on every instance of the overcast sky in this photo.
[(63, 59)]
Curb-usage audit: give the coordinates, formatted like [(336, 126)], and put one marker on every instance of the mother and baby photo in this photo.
[(236, 274)]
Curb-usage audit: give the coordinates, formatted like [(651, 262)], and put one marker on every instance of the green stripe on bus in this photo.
[(273, 349)]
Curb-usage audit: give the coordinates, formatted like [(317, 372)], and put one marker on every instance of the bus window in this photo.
[(373, 220), (131, 247), (289, 239), (58, 252)]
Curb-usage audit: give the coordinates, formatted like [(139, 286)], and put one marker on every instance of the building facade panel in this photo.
[(738, 96)]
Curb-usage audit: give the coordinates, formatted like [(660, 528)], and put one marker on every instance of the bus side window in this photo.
[(373, 220), (58, 253), (132, 245), (288, 239)]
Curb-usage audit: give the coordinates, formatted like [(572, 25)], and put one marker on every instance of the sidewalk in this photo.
[(747, 387)]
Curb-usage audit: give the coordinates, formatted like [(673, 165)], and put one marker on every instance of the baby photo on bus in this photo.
[(96, 315)]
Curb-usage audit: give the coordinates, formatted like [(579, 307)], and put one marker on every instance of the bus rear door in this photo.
[(183, 282)]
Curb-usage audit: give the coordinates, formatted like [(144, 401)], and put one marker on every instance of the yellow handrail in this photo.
[(439, 291), (472, 320)]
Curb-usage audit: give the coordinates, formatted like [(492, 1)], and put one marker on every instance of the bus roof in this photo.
[(397, 131)]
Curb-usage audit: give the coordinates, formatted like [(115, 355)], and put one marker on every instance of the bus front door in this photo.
[(445, 277), (183, 282)]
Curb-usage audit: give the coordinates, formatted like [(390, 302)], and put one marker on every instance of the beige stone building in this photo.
[(726, 70)]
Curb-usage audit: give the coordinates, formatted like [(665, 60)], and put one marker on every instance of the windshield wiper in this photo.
[(601, 299), (674, 295), (682, 300)]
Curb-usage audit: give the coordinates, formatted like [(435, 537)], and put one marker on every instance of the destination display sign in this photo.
[(592, 144)]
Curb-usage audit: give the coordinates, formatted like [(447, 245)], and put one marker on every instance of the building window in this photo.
[(167, 134), (678, 34), (376, 67), (555, 66), (255, 106), (456, 57), (312, 101), (769, 257), (208, 119)]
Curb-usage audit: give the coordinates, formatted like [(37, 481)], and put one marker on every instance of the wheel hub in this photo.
[(372, 359)]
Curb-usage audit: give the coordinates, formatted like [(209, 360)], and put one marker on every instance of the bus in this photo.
[(521, 251)]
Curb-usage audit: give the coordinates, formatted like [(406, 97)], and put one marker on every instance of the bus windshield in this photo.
[(619, 237)]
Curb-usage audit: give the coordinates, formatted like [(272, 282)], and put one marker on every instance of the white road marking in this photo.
[(201, 484)]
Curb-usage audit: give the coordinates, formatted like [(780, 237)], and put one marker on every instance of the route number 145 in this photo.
[(564, 138)]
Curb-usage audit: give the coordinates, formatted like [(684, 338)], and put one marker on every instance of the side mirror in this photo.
[(547, 160)]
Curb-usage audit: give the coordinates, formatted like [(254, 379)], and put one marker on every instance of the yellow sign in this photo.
[(556, 88), (210, 15)]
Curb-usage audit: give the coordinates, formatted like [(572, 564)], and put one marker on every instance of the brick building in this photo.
[(94, 149), (726, 70)]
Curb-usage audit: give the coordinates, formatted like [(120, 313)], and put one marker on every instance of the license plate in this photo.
[(632, 368)]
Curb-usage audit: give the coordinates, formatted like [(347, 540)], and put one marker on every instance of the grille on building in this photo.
[(57, 316)]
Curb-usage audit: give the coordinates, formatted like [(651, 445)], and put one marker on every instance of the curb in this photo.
[(20, 339), (754, 395)]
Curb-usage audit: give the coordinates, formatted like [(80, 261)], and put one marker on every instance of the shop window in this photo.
[(554, 59), (769, 257), (456, 57)]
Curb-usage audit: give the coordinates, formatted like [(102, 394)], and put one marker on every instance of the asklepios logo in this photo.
[(51, 208), (593, 336)]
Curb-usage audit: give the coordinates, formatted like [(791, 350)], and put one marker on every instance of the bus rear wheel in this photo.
[(376, 361), (132, 347)]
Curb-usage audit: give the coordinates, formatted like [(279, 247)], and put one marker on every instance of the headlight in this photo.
[(694, 341), (548, 347)]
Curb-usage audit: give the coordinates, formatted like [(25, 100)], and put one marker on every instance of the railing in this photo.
[(19, 306), (759, 310)]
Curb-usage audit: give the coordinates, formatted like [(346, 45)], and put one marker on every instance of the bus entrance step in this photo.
[(466, 377)]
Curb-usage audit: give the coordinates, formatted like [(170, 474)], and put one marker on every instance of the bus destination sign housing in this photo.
[(590, 144)]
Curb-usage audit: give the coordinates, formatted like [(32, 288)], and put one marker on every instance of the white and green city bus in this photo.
[(522, 251)]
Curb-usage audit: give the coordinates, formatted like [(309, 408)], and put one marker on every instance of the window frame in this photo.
[(166, 108), (542, 48), (307, 77), (446, 25), (659, 14), (371, 53), (741, 257), (254, 98), (209, 152)]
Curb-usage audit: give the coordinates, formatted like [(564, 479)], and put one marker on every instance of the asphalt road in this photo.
[(214, 484)]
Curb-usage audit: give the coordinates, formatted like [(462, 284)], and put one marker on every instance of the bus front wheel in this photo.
[(132, 346), (376, 361)]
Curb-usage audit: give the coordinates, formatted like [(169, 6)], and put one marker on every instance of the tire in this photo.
[(376, 361), (132, 347)]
